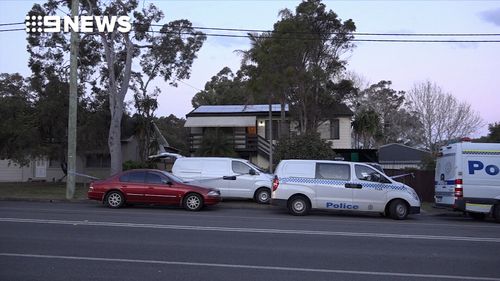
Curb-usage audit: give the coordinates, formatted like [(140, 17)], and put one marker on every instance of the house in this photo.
[(92, 163), (400, 156), (247, 128)]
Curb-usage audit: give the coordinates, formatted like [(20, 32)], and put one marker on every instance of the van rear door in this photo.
[(445, 179)]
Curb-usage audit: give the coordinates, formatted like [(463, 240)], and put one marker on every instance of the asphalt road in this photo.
[(238, 241)]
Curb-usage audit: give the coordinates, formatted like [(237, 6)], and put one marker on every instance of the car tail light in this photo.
[(459, 191), (276, 183)]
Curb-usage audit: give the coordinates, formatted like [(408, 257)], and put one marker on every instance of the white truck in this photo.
[(468, 178)]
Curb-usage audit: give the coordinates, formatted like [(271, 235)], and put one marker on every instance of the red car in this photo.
[(151, 187)]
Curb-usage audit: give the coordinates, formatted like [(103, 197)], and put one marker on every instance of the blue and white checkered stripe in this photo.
[(484, 152), (376, 186)]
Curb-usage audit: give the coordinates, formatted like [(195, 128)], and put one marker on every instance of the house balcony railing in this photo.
[(240, 143)]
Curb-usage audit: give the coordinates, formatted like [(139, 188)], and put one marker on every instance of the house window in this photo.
[(334, 129), (98, 161), (252, 131)]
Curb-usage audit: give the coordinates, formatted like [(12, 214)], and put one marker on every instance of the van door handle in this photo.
[(353, 185), (231, 178)]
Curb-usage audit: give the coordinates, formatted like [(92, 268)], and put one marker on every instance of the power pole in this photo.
[(73, 98), (270, 134)]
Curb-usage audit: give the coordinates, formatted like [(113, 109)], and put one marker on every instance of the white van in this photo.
[(468, 178), (235, 178), (338, 185)]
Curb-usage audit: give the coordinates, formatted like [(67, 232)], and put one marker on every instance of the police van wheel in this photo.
[(398, 210), (496, 213), (299, 206)]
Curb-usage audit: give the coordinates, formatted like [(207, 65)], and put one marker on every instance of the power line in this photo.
[(13, 23), (353, 40), (14, 29), (353, 33), (311, 33), (185, 83)]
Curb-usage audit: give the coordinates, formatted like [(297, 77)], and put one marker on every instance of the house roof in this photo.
[(339, 109), (235, 110), (394, 152)]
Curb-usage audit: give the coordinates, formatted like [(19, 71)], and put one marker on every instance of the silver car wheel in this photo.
[(114, 200), (193, 202)]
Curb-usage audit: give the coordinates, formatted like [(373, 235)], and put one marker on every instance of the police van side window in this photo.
[(368, 174), (333, 171)]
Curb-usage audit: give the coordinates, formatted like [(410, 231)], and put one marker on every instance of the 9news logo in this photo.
[(84, 24)]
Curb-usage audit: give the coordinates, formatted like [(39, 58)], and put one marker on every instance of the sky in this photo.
[(469, 71)]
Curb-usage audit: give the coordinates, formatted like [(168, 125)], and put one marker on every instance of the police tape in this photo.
[(83, 175), (403, 175)]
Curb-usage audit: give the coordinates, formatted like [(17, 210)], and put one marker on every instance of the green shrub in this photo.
[(309, 146), (129, 165)]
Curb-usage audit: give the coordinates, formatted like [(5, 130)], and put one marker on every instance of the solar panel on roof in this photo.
[(237, 108)]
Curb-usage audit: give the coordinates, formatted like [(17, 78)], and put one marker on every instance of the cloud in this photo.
[(491, 16)]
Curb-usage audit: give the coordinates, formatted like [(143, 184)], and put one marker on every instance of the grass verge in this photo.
[(40, 191)]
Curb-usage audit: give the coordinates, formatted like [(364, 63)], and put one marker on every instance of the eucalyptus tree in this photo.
[(18, 138), (300, 61), (397, 123), (107, 59), (226, 87)]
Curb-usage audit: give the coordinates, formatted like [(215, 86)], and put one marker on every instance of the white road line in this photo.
[(256, 267), (332, 218), (255, 230)]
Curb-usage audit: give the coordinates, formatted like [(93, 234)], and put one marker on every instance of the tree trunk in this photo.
[(114, 143), (116, 98)]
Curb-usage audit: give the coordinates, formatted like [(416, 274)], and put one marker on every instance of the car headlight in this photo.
[(214, 193), (414, 194)]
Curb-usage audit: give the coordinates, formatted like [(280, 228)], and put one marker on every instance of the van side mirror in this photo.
[(252, 172)]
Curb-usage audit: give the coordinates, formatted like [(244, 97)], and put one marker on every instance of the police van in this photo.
[(302, 185), (468, 178)]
